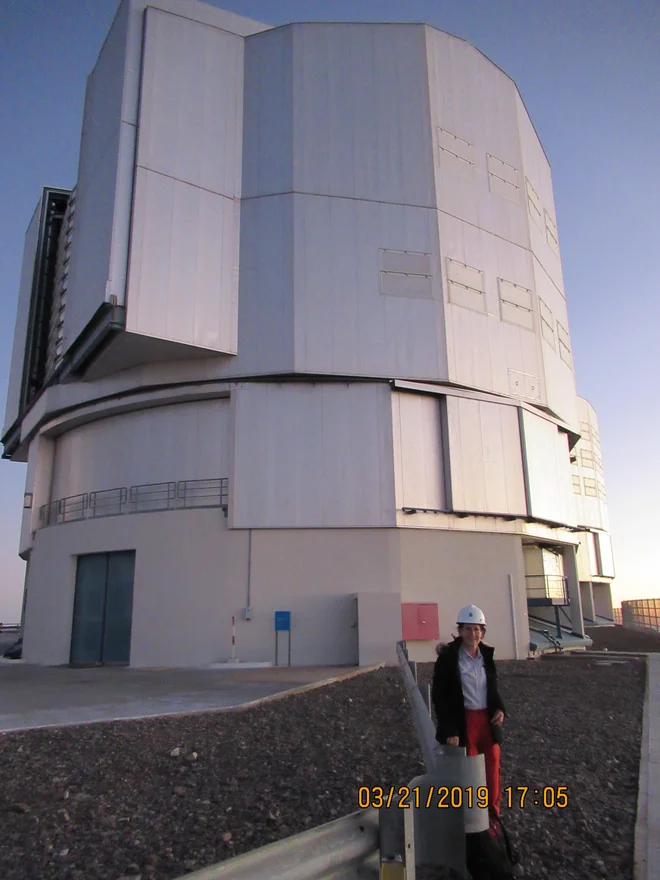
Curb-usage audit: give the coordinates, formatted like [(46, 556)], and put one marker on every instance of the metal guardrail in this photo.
[(10, 627), (546, 589), (371, 844), (184, 494), (346, 849)]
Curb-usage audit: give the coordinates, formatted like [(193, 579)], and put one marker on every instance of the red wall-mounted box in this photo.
[(419, 621)]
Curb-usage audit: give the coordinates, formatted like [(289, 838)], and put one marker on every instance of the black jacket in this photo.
[(447, 693)]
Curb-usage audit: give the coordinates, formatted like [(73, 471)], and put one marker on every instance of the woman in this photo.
[(468, 708)]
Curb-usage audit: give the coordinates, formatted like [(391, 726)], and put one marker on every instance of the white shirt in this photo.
[(473, 680)]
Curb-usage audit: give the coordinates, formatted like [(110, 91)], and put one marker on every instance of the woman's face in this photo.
[(471, 635)]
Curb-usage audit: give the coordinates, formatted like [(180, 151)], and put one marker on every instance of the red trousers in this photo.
[(480, 742)]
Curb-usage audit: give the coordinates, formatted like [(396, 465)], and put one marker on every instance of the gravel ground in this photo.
[(619, 638), (159, 798)]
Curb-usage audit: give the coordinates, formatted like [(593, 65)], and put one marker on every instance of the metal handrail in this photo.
[(551, 586), (141, 498)]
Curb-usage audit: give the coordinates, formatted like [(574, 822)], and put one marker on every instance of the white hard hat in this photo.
[(471, 614)]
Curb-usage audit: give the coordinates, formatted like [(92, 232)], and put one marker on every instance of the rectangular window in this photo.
[(576, 485)]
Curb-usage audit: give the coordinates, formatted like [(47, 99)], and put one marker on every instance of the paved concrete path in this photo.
[(647, 829), (38, 696)]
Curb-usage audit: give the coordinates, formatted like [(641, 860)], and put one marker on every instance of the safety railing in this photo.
[(641, 613), (136, 499), (546, 589)]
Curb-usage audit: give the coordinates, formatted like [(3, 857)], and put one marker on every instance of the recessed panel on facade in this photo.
[(547, 470), (516, 304), (485, 458), (466, 286), (419, 466)]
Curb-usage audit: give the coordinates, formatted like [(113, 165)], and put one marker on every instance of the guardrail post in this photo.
[(443, 802)]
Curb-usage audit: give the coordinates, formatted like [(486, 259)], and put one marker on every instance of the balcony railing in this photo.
[(546, 589), (136, 499)]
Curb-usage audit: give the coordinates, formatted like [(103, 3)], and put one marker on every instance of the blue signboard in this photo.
[(282, 621)]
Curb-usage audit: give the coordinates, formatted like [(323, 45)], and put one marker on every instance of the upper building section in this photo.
[(365, 200)]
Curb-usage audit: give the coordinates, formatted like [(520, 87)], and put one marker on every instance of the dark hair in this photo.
[(481, 626)]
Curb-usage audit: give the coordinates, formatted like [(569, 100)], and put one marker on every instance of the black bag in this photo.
[(489, 855)]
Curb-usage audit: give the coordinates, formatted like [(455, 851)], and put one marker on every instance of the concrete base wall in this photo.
[(343, 587), (461, 568)]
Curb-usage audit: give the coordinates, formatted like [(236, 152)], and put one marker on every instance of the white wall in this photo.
[(312, 456), (344, 323), (456, 569), (188, 441)]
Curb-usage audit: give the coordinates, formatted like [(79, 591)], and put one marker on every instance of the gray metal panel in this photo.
[(268, 114), (191, 110), (548, 470), (343, 322), (266, 290), (192, 441), (183, 277), (485, 457), (605, 555), (362, 123), (97, 268), (313, 456), (418, 454), (473, 102), (22, 320)]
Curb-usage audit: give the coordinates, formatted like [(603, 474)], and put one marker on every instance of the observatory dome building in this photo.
[(297, 342)]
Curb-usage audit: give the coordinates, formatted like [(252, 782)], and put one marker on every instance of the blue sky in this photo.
[(589, 73)]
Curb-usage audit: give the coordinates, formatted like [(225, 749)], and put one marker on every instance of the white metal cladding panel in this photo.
[(192, 440), (191, 108), (485, 457), (313, 456), (538, 196), (548, 470), (605, 555), (266, 326), (559, 377), (344, 323), (97, 267), (22, 320), (105, 175), (483, 348), (418, 456), (183, 276), (268, 114), (474, 102), (361, 121)]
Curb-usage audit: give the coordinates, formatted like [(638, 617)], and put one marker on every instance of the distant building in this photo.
[(298, 341)]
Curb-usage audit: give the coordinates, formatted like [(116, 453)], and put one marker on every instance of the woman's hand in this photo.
[(452, 741), (498, 718)]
